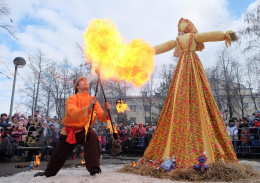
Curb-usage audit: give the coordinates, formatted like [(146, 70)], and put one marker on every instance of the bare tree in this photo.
[(251, 32), (214, 78), (239, 91), (225, 63), (5, 12), (165, 77)]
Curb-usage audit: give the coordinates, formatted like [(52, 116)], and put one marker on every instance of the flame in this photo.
[(132, 62), (134, 164), (37, 160), (115, 129), (83, 162), (121, 106), (109, 126)]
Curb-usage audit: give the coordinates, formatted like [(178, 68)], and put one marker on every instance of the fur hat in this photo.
[(3, 114), (77, 83)]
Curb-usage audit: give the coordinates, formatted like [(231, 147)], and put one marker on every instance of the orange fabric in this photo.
[(76, 113), (190, 122)]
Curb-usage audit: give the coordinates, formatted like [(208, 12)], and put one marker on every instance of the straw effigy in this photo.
[(218, 171)]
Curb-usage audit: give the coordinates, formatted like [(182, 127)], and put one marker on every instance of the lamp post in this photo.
[(19, 62)]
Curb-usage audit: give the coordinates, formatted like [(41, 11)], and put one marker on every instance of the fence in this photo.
[(246, 144)]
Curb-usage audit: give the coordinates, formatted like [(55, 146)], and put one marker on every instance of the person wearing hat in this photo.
[(14, 121), (4, 118), (32, 142), (7, 131), (77, 115)]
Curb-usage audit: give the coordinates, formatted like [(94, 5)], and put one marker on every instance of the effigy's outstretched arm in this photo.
[(216, 36), (164, 47)]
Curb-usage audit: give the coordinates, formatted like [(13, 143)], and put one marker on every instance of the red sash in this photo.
[(71, 139)]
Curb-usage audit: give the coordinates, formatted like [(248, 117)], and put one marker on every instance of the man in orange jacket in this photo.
[(78, 112)]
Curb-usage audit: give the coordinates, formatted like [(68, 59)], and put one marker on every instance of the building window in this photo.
[(133, 119), (132, 108), (246, 105)]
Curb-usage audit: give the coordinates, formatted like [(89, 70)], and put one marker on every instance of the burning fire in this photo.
[(109, 126), (106, 49), (121, 106), (37, 160), (83, 162)]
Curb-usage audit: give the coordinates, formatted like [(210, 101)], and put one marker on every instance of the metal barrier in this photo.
[(250, 146)]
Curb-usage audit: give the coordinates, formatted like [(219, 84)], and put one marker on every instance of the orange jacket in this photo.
[(77, 114)]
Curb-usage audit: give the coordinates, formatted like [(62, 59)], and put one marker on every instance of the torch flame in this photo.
[(109, 126), (83, 162), (132, 62), (121, 106), (37, 160)]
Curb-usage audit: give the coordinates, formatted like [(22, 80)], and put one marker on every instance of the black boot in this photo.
[(39, 174), (94, 173)]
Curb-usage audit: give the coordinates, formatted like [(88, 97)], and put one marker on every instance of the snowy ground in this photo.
[(80, 174)]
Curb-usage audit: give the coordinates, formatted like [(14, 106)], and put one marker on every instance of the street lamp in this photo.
[(19, 62)]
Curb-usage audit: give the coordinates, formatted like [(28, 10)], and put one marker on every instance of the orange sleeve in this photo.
[(74, 111), (100, 113)]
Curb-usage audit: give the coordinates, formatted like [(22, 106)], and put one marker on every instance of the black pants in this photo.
[(64, 149)]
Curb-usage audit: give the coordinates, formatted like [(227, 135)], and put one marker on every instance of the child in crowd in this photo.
[(20, 133), (30, 127), (103, 143), (32, 142), (7, 131), (245, 137)]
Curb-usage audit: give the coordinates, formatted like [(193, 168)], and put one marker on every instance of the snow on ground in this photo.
[(80, 174)]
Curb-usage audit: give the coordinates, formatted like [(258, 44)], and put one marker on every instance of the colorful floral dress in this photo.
[(190, 123)]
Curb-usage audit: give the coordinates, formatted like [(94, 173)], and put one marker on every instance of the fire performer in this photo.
[(78, 113)]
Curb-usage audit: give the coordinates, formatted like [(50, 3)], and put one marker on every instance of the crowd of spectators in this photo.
[(133, 137), (41, 131), (31, 131), (245, 134)]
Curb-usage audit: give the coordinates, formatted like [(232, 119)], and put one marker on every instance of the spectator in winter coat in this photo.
[(245, 136), (55, 136), (141, 131), (39, 121), (14, 121), (20, 133), (23, 121), (45, 132), (30, 127), (127, 145), (255, 132), (3, 118), (3, 124), (233, 131), (32, 142), (7, 131), (103, 143)]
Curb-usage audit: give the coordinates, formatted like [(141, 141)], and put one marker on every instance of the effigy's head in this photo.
[(186, 26)]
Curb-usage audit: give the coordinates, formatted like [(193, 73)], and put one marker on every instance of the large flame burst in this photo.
[(132, 62)]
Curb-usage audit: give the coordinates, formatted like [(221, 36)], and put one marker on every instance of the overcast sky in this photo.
[(55, 27)]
